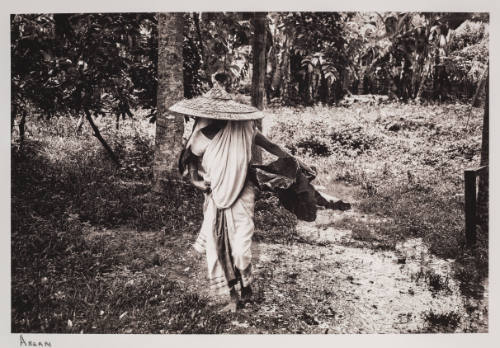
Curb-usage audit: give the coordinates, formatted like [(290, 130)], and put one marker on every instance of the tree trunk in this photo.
[(196, 18), (273, 62), (259, 70), (283, 78), (423, 80), (98, 135), (429, 55), (483, 190), (259, 60), (278, 70), (271, 65), (169, 128), (361, 83)]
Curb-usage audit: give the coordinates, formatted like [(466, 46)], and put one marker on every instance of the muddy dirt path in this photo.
[(323, 285), (326, 282)]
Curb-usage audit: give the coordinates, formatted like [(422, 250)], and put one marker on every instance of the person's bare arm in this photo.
[(269, 146), (275, 149), (196, 180)]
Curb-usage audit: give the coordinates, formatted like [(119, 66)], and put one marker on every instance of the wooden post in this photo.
[(483, 180), (470, 207)]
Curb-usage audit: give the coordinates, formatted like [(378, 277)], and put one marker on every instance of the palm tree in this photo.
[(169, 128)]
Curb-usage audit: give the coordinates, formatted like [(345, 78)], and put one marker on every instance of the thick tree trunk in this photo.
[(169, 128), (429, 55), (259, 70), (415, 64), (98, 135), (259, 60)]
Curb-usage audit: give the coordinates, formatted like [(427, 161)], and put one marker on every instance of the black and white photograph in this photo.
[(266, 172)]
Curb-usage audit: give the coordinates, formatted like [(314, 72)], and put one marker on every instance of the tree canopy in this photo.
[(106, 63)]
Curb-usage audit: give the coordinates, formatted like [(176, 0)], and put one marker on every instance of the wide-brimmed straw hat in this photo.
[(216, 104)]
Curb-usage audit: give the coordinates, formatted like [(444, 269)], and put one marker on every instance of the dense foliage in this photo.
[(107, 63), (68, 63), (405, 161), (418, 55), (317, 56)]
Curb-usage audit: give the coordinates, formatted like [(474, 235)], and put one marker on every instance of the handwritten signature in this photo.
[(33, 343)]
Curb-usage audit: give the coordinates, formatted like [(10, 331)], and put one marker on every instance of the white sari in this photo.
[(225, 163)]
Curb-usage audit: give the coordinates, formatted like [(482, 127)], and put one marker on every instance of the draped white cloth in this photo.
[(226, 161), (199, 142), (225, 164)]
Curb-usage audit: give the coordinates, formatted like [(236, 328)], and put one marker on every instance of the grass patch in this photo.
[(435, 281), (273, 223), (408, 161), (441, 322), (63, 282), (63, 185)]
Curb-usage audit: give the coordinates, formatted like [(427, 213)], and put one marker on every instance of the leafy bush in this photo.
[(314, 135), (468, 57), (441, 322), (467, 34)]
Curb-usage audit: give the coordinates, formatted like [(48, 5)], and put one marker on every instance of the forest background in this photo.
[(365, 97)]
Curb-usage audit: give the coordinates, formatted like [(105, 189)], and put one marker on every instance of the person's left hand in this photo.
[(311, 170), (202, 185)]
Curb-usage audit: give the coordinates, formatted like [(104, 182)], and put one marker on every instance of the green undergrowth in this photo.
[(64, 185), (407, 163), (273, 223), (62, 282), (441, 322)]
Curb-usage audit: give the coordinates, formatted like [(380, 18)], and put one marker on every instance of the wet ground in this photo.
[(323, 285), (327, 282)]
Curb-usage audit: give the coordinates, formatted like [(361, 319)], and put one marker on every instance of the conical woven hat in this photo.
[(216, 104)]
